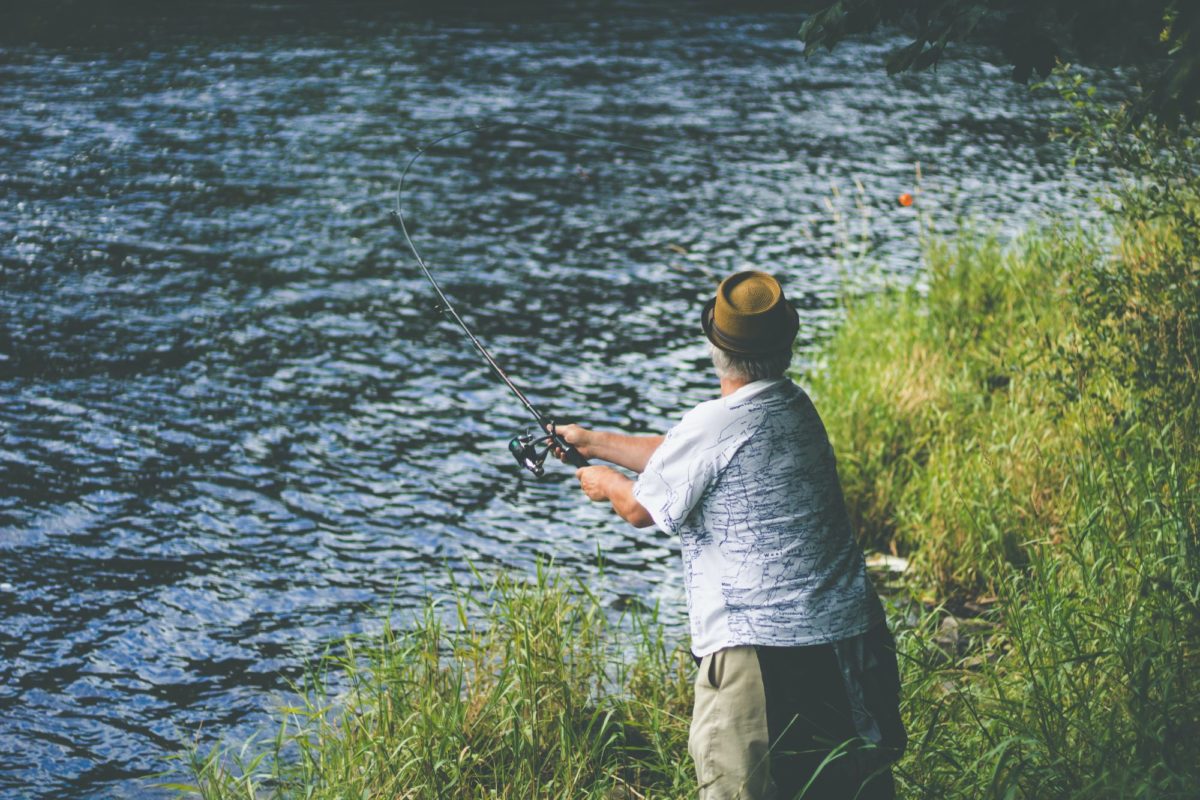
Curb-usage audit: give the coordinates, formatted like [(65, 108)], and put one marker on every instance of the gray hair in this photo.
[(750, 368)]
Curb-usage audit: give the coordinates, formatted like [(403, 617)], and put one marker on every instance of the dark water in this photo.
[(232, 419)]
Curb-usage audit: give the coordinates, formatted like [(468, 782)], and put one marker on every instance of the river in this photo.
[(234, 426)]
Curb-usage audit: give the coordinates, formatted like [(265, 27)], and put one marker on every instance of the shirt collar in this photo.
[(751, 390)]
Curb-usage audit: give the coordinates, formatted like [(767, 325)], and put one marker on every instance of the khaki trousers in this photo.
[(728, 739), (777, 723)]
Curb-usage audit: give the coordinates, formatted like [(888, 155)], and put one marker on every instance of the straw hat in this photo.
[(750, 316)]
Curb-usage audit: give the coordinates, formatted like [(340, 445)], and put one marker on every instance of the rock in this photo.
[(887, 563)]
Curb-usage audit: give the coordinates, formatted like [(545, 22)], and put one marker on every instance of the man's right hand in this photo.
[(578, 437)]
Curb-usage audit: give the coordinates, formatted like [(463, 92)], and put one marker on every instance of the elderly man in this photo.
[(796, 692)]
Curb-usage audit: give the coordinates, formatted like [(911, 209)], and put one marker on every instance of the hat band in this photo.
[(748, 347)]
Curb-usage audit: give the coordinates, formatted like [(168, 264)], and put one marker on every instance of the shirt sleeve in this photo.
[(677, 474)]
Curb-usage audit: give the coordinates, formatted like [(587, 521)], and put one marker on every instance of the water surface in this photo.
[(233, 421)]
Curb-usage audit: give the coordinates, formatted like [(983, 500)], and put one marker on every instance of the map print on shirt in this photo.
[(749, 483)]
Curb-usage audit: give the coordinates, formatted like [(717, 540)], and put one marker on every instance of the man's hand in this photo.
[(597, 481), (605, 483), (578, 437)]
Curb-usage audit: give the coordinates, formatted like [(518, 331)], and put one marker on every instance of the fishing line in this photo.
[(529, 450)]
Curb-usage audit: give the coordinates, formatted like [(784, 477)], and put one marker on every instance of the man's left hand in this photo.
[(605, 483), (596, 481)]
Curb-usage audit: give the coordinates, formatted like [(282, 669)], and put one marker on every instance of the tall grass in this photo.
[(512, 690), (1025, 430), (944, 411)]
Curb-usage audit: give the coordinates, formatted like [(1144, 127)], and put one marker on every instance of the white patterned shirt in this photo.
[(750, 485)]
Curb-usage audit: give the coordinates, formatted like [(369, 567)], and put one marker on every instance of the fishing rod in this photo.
[(530, 450)]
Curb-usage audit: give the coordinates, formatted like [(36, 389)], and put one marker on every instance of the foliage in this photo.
[(522, 696), (1160, 36), (944, 404), (1087, 686), (1026, 430), (1140, 312), (1159, 165)]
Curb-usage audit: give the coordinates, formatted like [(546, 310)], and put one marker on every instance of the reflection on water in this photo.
[(232, 417)]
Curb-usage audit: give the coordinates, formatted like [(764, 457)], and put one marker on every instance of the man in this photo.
[(796, 692)]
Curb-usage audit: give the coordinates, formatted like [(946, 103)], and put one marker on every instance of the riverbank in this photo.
[(1024, 430)]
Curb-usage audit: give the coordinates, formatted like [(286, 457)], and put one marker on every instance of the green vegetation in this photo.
[(1025, 428), (1027, 431), (512, 691)]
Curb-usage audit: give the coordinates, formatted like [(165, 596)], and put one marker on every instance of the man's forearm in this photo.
[(605, 483), (630, 452), (620, 494)]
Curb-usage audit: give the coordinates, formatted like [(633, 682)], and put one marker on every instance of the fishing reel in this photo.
[(530, 450)]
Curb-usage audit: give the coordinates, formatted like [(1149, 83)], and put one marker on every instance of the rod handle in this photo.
[(571, 456)]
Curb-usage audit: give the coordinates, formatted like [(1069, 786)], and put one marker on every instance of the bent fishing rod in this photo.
[(530, 450)]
